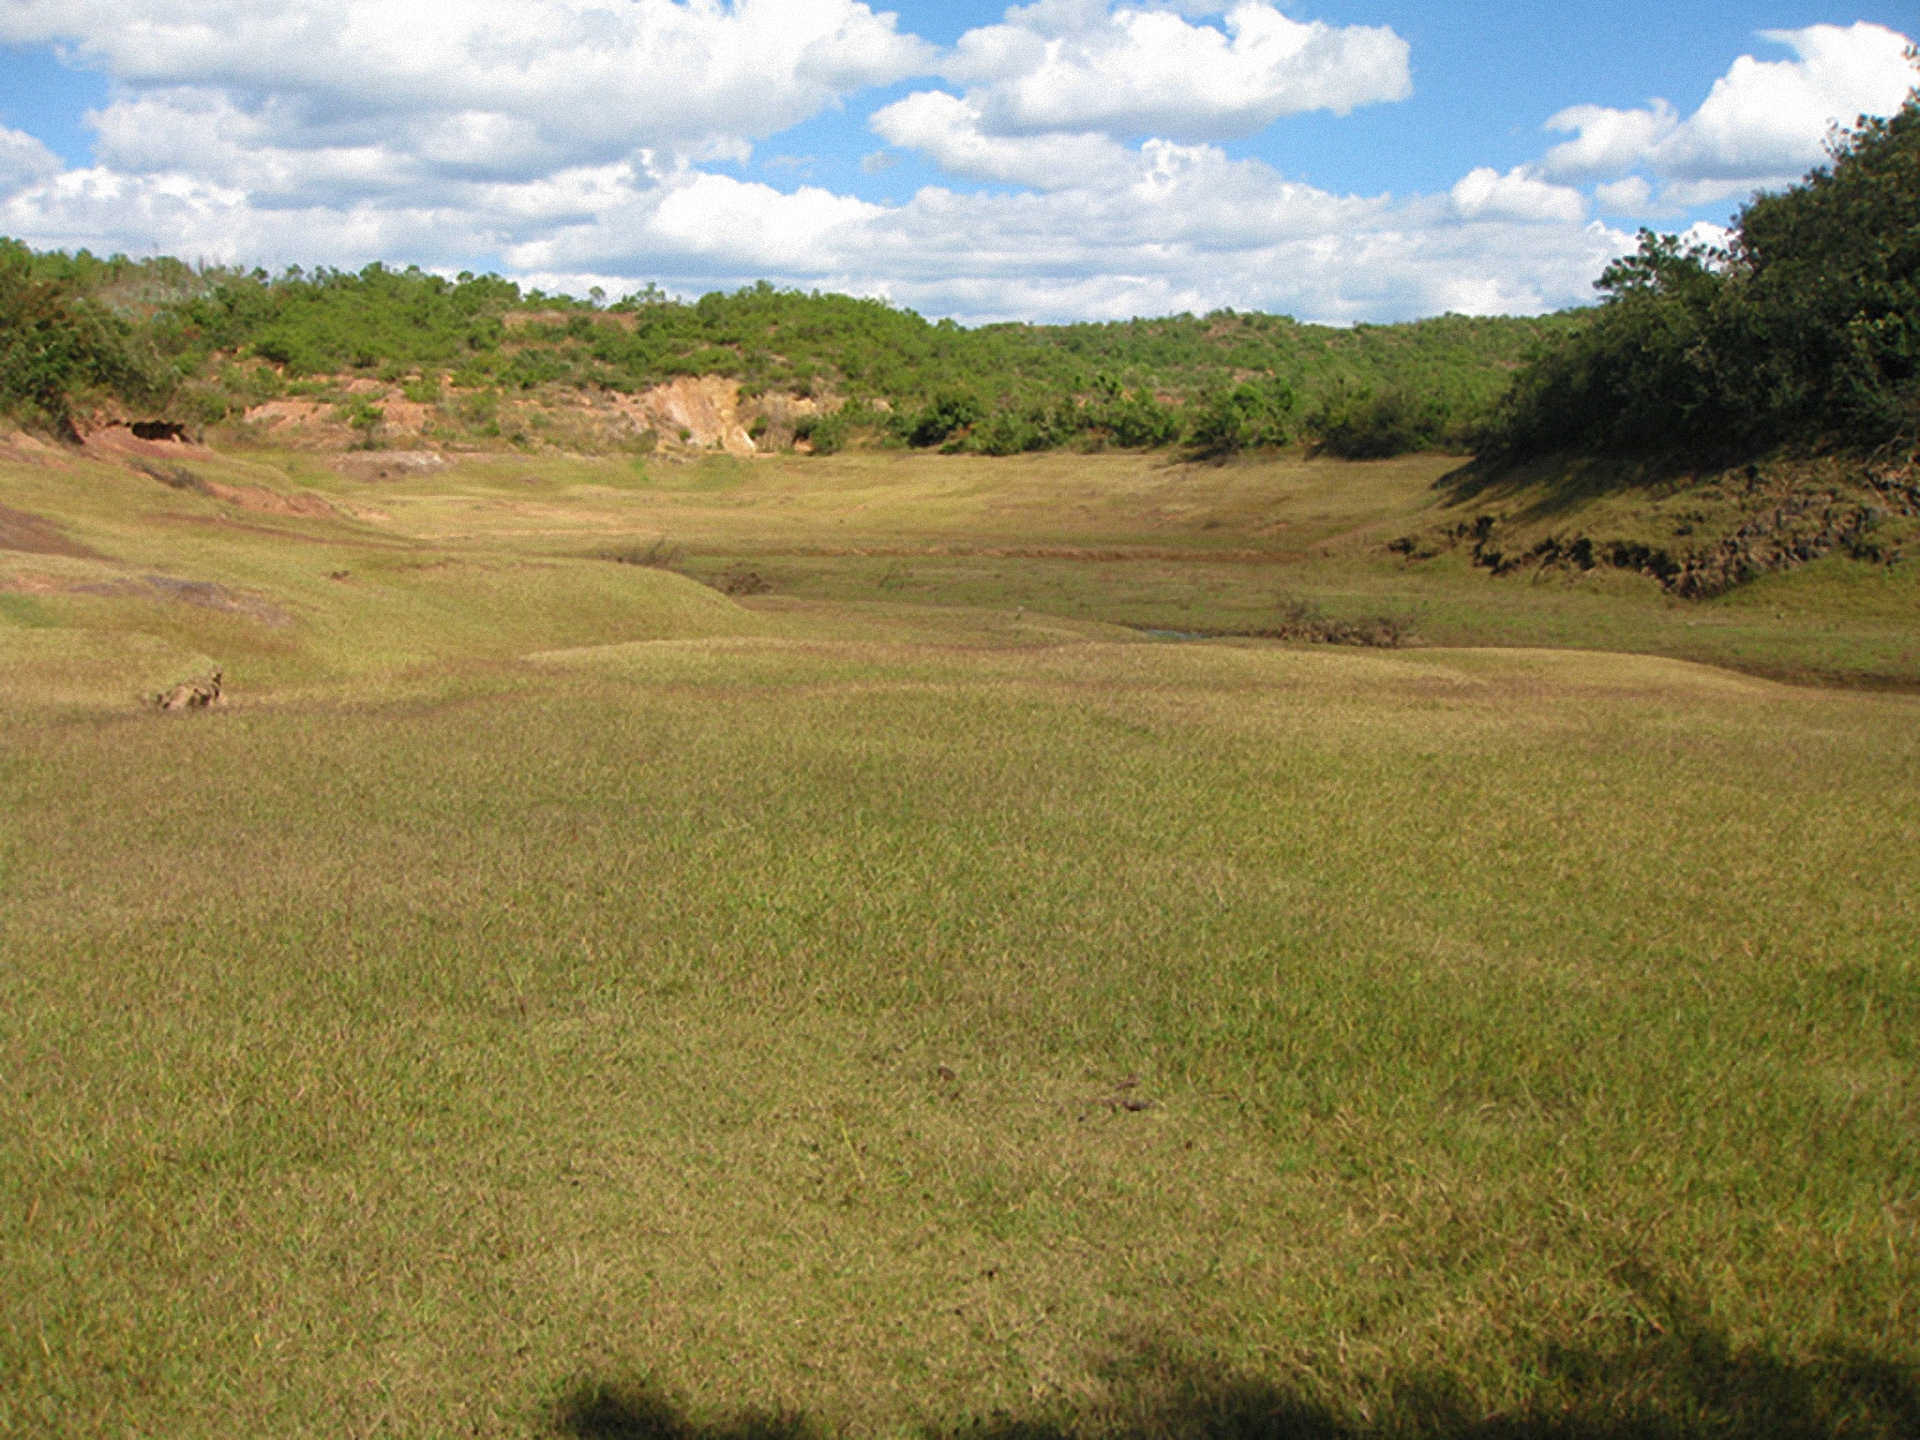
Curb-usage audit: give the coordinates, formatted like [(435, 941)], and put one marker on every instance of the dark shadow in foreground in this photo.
[(1684, 1381)]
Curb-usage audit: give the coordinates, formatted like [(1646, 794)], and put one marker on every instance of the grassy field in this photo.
[(555, 998)]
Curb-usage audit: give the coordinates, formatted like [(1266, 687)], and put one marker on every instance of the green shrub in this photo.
[(425, 390), (363, 416), (831, 433), (481, 408), (1139, 421), (1360, 424), (938, 421), (1012, 432), (1248, 416)]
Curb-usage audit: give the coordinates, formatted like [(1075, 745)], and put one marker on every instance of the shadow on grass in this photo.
[(1685, 1382), (1557, 484), (599, 1410)]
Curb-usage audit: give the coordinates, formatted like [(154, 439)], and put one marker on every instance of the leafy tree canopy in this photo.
[(1804, 331)]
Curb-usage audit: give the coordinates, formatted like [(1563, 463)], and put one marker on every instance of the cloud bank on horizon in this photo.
[(1082, 145)]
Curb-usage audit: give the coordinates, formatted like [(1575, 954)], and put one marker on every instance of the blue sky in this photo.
[(1486, 77), (952, 161), (49, 100)]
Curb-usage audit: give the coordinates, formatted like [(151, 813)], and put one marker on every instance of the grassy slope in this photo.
[(530, 995), (304, 599), (1139, 540)]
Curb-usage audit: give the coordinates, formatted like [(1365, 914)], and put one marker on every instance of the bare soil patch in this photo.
[(157, 441), (203, 593), (390, 464), (269, 502), (19, 448), (34, 536)]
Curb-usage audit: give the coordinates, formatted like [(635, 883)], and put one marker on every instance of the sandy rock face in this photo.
[(706, 407), (781, 414)]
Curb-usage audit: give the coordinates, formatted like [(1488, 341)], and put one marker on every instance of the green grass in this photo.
[(551, 998), (1144, 541)]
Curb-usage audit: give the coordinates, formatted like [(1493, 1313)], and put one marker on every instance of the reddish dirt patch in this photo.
[(404, 417), (248, 497), (34, 536), (316, 424), (268, 502), (19, 448), (118, 440), (276, 414)]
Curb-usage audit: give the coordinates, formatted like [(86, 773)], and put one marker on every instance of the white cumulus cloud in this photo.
[(1185, 228), (573, 143), (23, 160), (489, 85), (1765, 123), (947, 130), (1631, 196), (1486, 194), (1075, 66), (1607, 141)]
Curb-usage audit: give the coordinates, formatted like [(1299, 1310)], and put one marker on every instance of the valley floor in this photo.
[(551, 996)]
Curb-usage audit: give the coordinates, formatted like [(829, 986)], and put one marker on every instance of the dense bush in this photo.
[(1804, 331), (335, 320), (1134, 420), (57, 346), (224, 340), (937, 422), (1827, 276), (1362, 424), (1244, 417)]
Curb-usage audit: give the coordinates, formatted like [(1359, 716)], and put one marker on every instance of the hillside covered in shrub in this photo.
[(204, 345)]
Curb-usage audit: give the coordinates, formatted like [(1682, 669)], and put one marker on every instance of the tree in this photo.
[(1805, 331), (55, 346)]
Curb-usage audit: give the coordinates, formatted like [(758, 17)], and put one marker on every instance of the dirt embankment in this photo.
[(158, 449), (121, 441), (314, 423), (1697, 536), (690, 415), (257, 498)]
